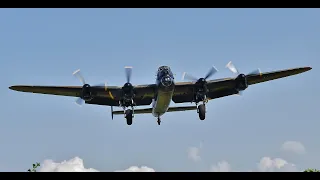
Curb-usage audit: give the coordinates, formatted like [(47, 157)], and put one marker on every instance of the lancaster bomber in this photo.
[(198, 91)]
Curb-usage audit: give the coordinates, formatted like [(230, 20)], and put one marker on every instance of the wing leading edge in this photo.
[(183, 92)]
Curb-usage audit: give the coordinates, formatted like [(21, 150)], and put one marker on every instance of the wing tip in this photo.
[(18, 87), (308, 68), (305, 69), (13, 88)]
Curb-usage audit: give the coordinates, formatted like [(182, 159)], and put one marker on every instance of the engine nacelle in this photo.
[(127, 95), (86, 93), (199, 96), (241, 82), (200, 90)]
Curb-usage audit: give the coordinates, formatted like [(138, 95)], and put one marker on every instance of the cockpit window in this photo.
[(163, 68)]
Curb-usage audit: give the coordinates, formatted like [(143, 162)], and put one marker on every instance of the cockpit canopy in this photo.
[(163, 71), (161, 68)]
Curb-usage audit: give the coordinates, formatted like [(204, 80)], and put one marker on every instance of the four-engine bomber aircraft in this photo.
[(162, 92)]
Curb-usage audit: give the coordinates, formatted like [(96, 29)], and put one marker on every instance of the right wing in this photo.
[(109, 96)]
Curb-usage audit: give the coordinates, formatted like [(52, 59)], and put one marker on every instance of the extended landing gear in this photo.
[(128, 113), (202, 111), (129, 116), (159, 121)]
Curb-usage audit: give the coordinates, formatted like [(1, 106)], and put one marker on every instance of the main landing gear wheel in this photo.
[(129, 116), (202, 111)]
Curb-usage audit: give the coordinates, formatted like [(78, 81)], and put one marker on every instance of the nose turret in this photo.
[(166, 81)]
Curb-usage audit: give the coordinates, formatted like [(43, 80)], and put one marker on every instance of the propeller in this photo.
[(78, 74), (233, 69), (127, 88), (85, 88), (190, 77), (200, 83)]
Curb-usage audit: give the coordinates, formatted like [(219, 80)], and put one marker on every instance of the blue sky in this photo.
[(44, 47)]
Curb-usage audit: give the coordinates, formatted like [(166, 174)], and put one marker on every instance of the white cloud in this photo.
[(222, 166), (293, 146), (137, 169), (72, 165), (268, 164), (194, 153), (76, 165)]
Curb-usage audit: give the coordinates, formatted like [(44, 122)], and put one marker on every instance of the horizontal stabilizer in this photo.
[(149, 110)]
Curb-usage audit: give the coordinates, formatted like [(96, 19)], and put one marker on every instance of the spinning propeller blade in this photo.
[(128, 71), (232, 68), (79, 101), (255, 72), (79, 76), (190, 77), (211, 72)]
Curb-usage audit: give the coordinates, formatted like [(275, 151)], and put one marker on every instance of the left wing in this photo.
[(268, 76), (224, 87), (217, 88)]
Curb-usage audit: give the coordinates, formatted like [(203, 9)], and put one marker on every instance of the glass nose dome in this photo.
[(166, 81)]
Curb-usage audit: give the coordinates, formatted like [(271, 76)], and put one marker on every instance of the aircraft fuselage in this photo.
[(165, 88)]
